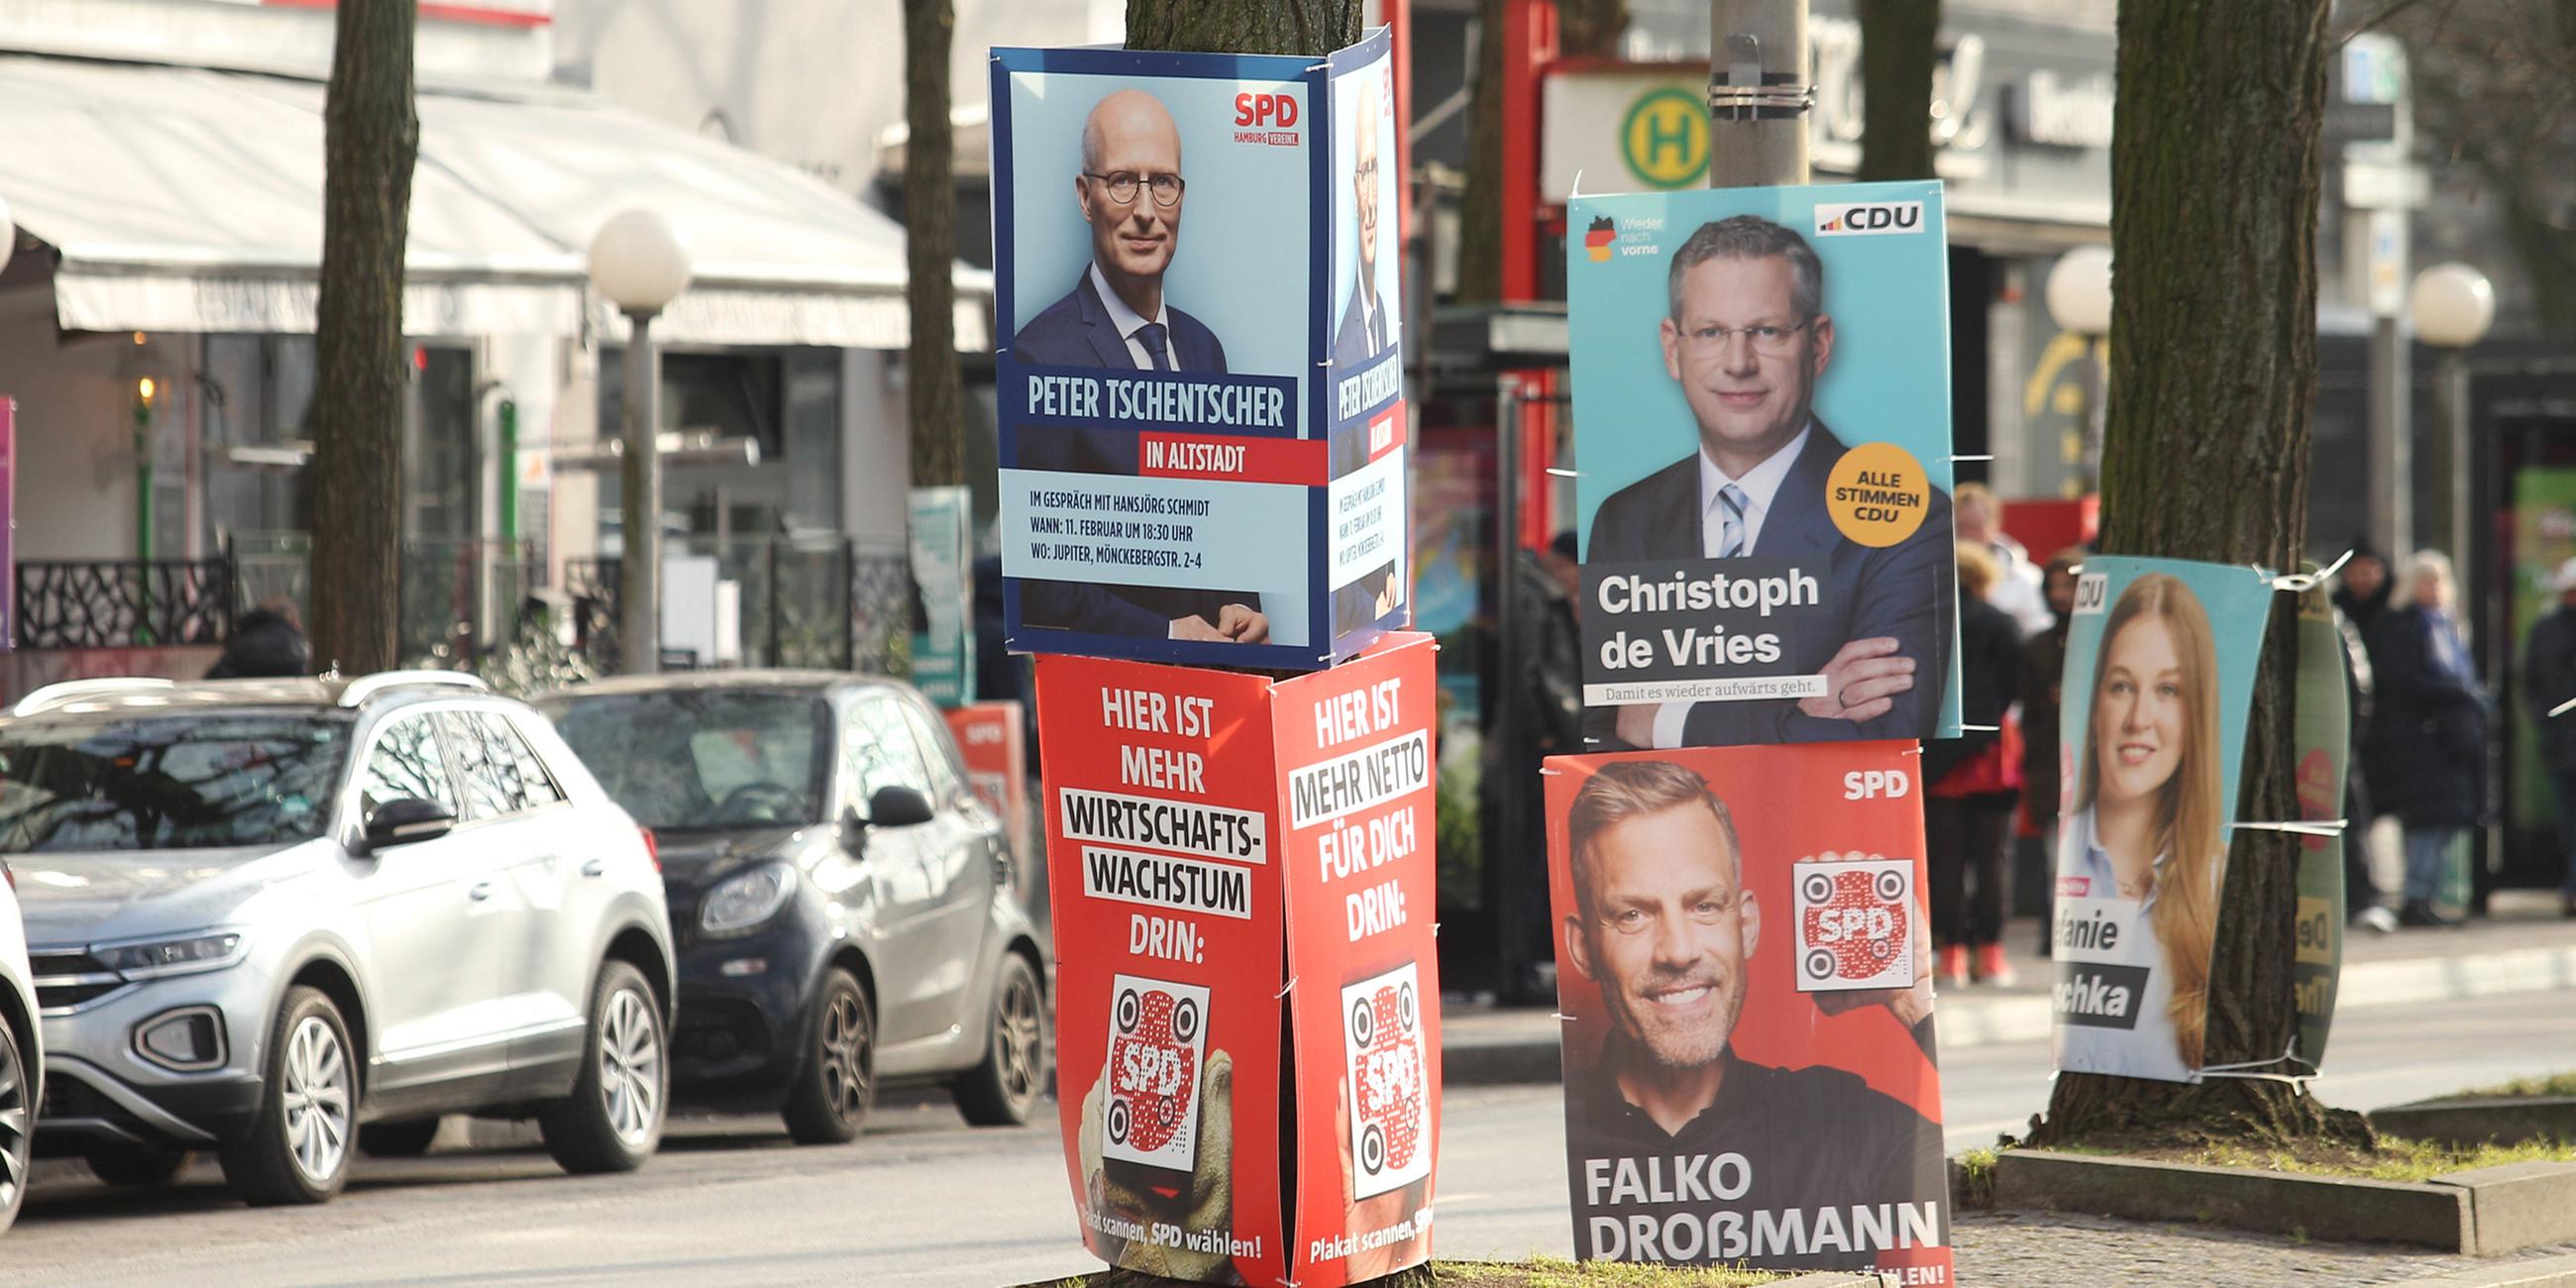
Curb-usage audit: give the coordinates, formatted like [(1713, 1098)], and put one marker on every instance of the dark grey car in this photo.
[(843, 904)]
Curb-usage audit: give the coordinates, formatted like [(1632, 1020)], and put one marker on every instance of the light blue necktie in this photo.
[(1730, 517)]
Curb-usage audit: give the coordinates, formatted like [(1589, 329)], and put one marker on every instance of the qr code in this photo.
[(1855, 924), (1157, 1045), (1387, 1091)]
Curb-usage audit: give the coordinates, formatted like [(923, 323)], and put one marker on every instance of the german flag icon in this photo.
[(1598, 237)]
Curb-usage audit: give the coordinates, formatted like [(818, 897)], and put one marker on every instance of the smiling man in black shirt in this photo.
[(1680, 1150)]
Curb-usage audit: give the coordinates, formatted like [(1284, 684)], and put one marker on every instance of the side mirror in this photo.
[(408, 819), (898, 807)]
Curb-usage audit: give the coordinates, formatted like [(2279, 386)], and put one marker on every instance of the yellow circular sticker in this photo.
[(1878, 494)]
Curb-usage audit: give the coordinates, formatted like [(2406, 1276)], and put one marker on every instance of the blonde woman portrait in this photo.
[(2144, 848)]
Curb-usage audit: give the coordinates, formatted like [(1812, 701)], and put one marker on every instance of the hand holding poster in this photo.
[(2160, 665), (1764, 490), (1716, 1110)]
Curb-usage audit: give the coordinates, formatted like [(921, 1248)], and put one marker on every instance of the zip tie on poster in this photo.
[(1985, 457), (1968, 728), (2318, 827), (1575, 192), (2563, 707), (1545, 771), (1283, 992), (1564, 474), (1563, 1018), (2289, 1055), (2303, 582)]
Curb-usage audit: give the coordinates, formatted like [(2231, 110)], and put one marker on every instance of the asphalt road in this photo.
[(924, 1200)]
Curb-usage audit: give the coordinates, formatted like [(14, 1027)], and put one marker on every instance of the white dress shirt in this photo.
[(1129, 322), (1369, 321), (1760, 486)]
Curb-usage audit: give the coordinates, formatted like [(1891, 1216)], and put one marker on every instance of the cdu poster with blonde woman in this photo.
[(2160, 665)]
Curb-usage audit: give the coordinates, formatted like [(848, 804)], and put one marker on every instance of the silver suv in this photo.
[(264, 912), (21, 1057)]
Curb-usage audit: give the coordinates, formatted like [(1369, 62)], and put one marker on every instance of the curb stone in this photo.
[(2545, 1272)]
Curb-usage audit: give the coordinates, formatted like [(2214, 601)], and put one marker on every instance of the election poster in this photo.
[(1213, 837), (1763, 483), (992, 737), (2161, 657), (1357, 755), (1200, 388), (2323, 728), (943, 650), (1745, 974)]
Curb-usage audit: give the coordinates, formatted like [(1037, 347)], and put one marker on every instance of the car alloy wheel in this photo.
[(630, 1067), (1004, 1089), (17, 1125), (848, 1057), (1018, 1033), (315, 1099)]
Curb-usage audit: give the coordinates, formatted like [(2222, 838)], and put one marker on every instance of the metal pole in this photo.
[(639, 624), (1759, 97), (2391, 443), (1506, 876), (510, 473), (2455, 409)]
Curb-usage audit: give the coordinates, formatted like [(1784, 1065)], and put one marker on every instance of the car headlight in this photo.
[(179, 955), (746, 899)]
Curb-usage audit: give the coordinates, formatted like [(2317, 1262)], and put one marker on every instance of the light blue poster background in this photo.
[(2238, 603), (1346, 220), (1241, 263), (1887, 380)]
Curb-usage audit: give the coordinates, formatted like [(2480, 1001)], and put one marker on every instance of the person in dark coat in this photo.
[(2043, 666), (2549, 682), (267, 642), (1972, 784), (2362, 591), (2427, 749)]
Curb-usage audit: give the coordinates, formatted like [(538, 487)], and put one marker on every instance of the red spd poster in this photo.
[(1169, 963), (1745, 962), (1356, 760), (989, 735)]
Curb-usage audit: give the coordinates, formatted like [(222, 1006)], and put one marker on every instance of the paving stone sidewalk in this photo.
[(2037, 1250)]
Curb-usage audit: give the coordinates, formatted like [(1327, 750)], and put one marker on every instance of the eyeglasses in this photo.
[(1767, 338), (1123, 184)]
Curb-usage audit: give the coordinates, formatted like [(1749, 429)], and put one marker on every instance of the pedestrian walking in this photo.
[(267, 643), (2427, 749), (2043, 665), (2361, 902), (2549, 682), (1978, 518), (1974, 782), (2362, 591)]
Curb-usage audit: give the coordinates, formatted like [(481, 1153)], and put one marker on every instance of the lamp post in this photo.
[(641, 264), (2079, 302), (2452, 305)]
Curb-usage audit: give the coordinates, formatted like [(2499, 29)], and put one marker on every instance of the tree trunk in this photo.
[(370, 135), (1480, 208), (1896, 56), (934, 385), (1590, 28), (2214, 165), (1309, 27)]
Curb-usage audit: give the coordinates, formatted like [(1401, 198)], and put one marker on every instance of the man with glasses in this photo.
[(1746, 338), (1366, 330), (1116, 317), (1130, 192)]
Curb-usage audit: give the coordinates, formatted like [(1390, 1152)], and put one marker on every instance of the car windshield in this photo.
[(704, 758), (175, 782)]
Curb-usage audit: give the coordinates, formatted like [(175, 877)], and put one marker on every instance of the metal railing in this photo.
[(826, 602), (123, 603)]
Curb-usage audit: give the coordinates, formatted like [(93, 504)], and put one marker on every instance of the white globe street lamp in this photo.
[(641, 263), (2079, 301), (2452, 305)]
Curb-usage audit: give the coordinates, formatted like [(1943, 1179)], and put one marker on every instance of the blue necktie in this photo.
[(1730, 529), (1152, 336)]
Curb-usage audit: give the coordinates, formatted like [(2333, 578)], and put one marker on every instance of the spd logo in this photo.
[(1269, 111), (1866, 218), (1853, 924)]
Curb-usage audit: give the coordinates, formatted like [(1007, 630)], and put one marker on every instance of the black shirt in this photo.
[(1824, 1172)]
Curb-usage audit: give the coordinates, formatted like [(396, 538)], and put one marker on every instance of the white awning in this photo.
[(183, 199)]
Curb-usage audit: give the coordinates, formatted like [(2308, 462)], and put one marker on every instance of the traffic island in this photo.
[(1538, 1272), (2482, 1211)]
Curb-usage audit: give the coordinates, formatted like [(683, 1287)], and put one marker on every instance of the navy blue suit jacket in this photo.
[(1351, 339), (1903, 591), (1077, 331)]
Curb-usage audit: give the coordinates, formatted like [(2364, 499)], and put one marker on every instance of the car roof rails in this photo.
[(368, 686), (66, 691)]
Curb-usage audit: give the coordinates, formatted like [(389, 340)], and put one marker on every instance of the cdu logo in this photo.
[(1864, 218)]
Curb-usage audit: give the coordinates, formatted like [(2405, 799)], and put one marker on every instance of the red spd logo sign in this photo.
[(1157, 1043), (1384, 1093), (1854, 924)]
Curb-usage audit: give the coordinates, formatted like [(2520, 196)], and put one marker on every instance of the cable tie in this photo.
[(1575, 193), (1562, 1016), (2563, 707), (2321, 827), (1283, 992), (1987, 457), (1969, 728), (2303, 582), (1564, 474)]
